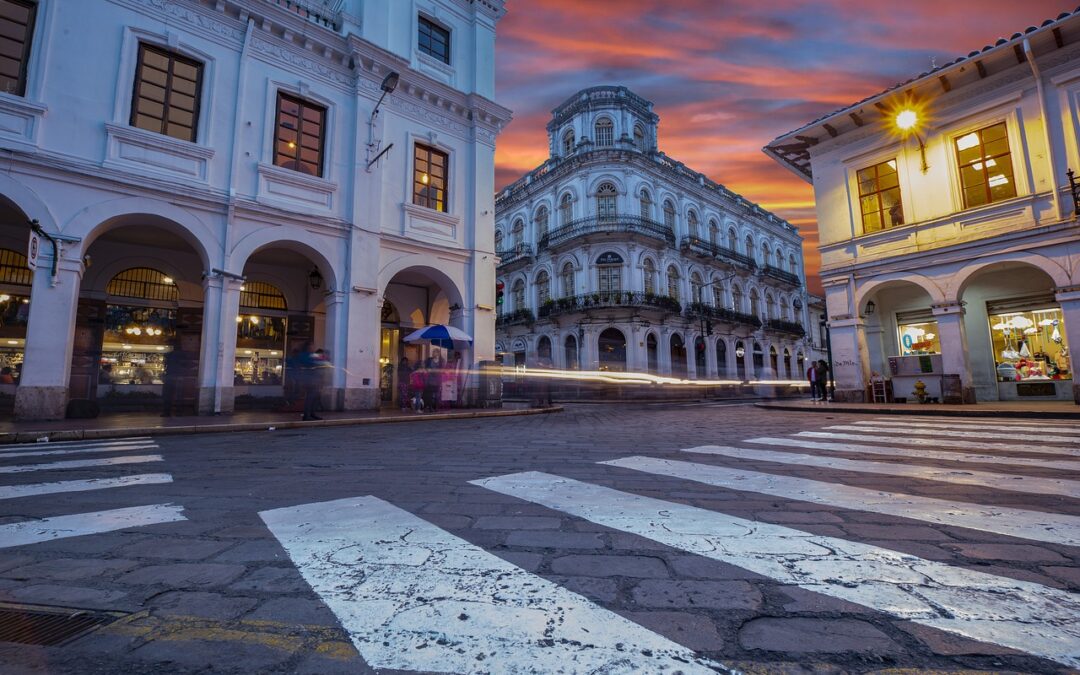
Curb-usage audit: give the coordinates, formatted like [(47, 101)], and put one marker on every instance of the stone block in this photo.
[(66, 596), (294, 611), (556, 540), (254, 551), (183, 575), (601, 590), (276, 580), (71, 569), (669, 594), (175, 549), (206, 605), (610, 566), (690, 630), (806, 636), (517, 523), (1011, 552)]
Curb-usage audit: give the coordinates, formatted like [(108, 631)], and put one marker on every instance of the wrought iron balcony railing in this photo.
[(517, 317), (711, 250), (613, 224), (578, 303), (513, 255), (789, 327), (777, 273), (699, 309)]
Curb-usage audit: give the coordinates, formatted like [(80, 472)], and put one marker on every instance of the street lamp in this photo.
[(828, 355), (907, 121)]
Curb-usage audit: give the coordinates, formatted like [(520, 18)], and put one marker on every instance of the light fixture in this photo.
[(239, 319), (389, 84), (907, 121), (871, 307), (424, 178), (4, 297), (13, 342), (315, 279), (254, 320), (740, 352), (166, 280)]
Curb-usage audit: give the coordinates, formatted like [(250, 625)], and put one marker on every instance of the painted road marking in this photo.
[(997, 481), (1044, 438), (79, 524), (1038, 424), (32, 489), (81, 463), (43, 453), (1037, 525), (1067, 465), (945, 426), (413, 597), (63, 444), (1021, 615), (938, 443)]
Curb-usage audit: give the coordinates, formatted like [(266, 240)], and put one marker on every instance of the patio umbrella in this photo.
[(439, 335)]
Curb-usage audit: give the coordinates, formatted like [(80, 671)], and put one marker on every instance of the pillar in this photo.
[(851, 360), (1069, 298), (217, 361), (663, 352), (358, 361), (42, 393), (748, 358), (711, 372), (952, 335), (336, 341)]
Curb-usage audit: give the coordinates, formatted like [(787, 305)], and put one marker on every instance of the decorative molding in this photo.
[(443, 72), (294, 190), (19, 121), (137, 150), (219, 31), (280, 52), (429, 222)]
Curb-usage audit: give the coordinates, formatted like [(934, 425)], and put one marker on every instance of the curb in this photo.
[(11, 437), (922, 411)]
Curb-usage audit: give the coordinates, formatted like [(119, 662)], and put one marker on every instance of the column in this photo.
[(1070, 310), (748, 358), (333, 394), (732, 360), (663, 352), (851, 362), (691, 357), (359, 360), (954, 346), (42, 393), (217, 360), (589, 353), (711, 372)]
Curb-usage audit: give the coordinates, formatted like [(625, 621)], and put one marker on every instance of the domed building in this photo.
[(614, 256)]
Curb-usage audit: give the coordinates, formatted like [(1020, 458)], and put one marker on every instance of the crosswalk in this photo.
[(413, 597), (50, 458)]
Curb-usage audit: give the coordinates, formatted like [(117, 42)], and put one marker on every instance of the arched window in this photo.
[(649, 271), (605, 133), (770, 306), (568, 143), (570, 352), (718, 294), (796, 306), (518, 232), (678, 356), (498, 241), (143, 283), (766, 255), (605, 201), (732, 240), (697, 288), (261, 295), (541, 223), (736, 298), (669, 215), (721, 358), (639, 137), (692, 224), (750, 251), (755, 304), (566, 209), (609, 272), (519, 295), (13, 269), (611, 349), (714, 233), (793, 267), (646, 204), (567, 275), (543, 287), (673, 282), (543, 349), (781, 261)]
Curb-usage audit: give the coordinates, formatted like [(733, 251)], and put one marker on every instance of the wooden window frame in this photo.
[(303, 104), (27, 44), (172, 56), (420, 199), (877, 193), (984, 160), (432, 27)]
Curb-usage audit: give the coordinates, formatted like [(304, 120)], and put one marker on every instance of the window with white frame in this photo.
[(566, 209), (751, 252), (433, 40), (639, 137), (669, 215), (755, 303), (673, 282), (986, 170), (646, 204), (732, 241), (567, 275), (609, 274), (770, 306), (718, 294), (166, 101), (879, 197), (714, 233), (541, 223), (736, 298), (543, 287), (692, 224), (568, 142), (518, 232), (697, 288), (648, 270), (605, 133), (519, 295), (431, 176), (606, 196)]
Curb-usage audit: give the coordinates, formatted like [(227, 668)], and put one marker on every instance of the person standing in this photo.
[(170, 379), (823, 379), (812, 378), (310, 376)]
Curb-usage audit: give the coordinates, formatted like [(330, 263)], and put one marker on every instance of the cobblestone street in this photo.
[(606, 538)]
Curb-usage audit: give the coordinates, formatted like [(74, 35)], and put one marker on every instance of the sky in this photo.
[(728, 76)]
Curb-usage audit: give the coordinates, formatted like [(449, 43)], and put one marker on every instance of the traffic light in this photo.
[(499, 286), (708, 327)]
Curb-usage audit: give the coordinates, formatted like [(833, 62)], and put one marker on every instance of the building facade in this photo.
[(949, 237), (613, 256), (234, 178)]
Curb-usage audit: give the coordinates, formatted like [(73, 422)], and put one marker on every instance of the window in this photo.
[(732, 241), (718, 294), (649, 271), (714, 233), (498, 241), (430, 178), (669, 215), (261, 295), (879, 197), (568, 143), (646, 204), (736, 298), (673, 282), (639, 137), (766, 255), (143, 283), (519, 295), (755, 305), (610, 277), (298, 138), (541, 223), (770, 306), (918, 334), (166, 96), (750, 252), (518, 232), (692, 224), (16, 29), (1028, 340), (605, 133), (605, 201), (792, 267), (697, 288), (566, 209), (434, 40), (543, 287), (568, 280), (986, 171)]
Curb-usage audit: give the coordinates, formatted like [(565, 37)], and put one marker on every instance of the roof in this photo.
[(792, 149)]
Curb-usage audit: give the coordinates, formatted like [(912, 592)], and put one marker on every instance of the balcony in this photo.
[(518, 317), (521, 253), (581, 303), (789, 327), (701, 310), (619, 224), (707, 249), (781, 275)]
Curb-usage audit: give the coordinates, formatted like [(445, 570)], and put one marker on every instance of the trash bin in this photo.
[(491, 384)]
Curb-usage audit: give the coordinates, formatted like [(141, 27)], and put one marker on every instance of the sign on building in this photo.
[(32, 250)]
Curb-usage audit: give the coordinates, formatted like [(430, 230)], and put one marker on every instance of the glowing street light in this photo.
[(907, 121)]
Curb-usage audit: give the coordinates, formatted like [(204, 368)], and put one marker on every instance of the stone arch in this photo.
[(1048, 266), (97, 219), (269, 237), (449, 283), (863, 293), (599, 180), (26, 200)]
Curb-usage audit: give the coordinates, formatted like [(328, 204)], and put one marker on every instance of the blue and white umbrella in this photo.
[(439, 335)]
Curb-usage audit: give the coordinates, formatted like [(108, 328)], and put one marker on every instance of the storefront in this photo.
[(917, 333), (1030, 350), (261, 341), (15, 282)]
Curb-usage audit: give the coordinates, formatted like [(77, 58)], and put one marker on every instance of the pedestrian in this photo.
[(312, 365), (417, 384), (175, 361), (544, 382), (823, 379), (434, 382), (404, 373), (7, 376), (812, 378)]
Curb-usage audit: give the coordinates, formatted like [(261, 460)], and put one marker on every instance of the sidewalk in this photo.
[(152, 424), (1000, 409)]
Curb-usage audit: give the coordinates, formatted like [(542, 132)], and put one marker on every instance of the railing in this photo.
[(515, 254), (323, 12), (515, 318), (786, 327), (699, 309), (578, 303), (777, 273), (614, 224), (709, 249)]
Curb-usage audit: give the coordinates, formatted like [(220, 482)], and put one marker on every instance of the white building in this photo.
[(949, 236), (614, 256), (207, 168)]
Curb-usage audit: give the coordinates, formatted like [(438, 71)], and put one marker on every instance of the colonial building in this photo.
[(233, 178), (949, 237), (614, 256)]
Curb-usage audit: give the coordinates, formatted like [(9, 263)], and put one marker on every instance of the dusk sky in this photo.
[(728, 76)]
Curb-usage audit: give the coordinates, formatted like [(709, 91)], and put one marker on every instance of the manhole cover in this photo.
[(49, 626)]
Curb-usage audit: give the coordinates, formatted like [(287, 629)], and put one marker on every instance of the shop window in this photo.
[(261, 328), (166, 96), (143, 283), (986, 171), (1029, 344), (17, 29), (430, 177), (433, 40), (13, 269), (136, 341), (918, 336), (299, 135), (879, 197)]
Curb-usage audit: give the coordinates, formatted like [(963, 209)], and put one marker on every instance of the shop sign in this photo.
[(609, 258), (32, 250)]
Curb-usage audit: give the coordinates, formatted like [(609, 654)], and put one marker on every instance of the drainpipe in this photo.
[(1046, 127)]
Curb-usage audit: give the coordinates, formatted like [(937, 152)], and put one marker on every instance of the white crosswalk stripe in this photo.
[(81, 463), (80, 450), (948, 426), (1022, 615), (80, 524), (958, 433), (1037, 423), (1065, 464), (32, 489), (72, 444), (938, 443), (414, 597)]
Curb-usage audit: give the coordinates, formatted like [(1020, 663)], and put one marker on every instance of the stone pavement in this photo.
[(764, 549), (1002, 409)]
